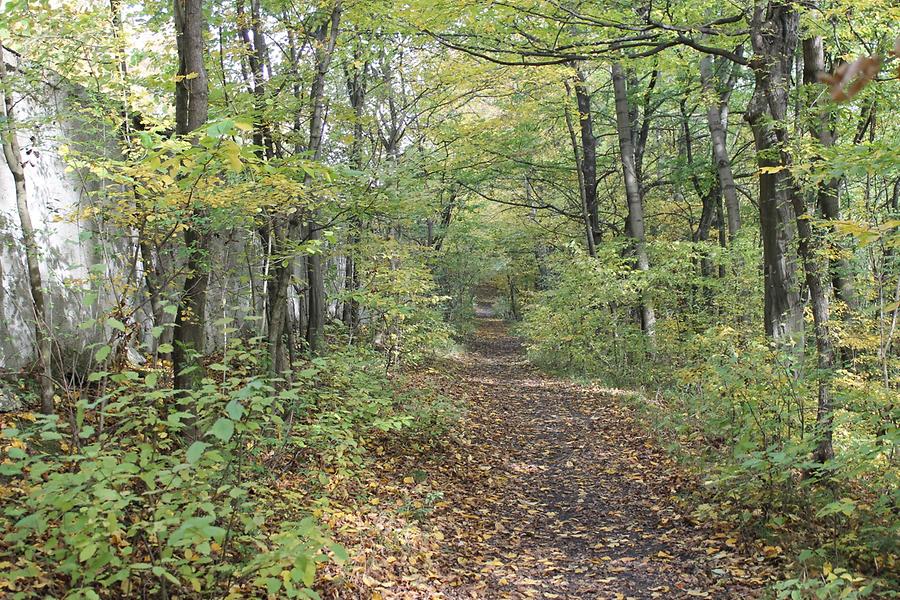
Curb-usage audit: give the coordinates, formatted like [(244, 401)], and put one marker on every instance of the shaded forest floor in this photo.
[(543, 489)]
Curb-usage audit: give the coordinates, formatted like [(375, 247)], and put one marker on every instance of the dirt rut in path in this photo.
[(556, 491)]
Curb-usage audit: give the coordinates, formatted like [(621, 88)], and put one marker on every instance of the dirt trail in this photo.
[(556, 491)]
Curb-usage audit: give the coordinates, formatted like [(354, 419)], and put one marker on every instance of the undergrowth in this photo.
[(740, 412), (135, 490)]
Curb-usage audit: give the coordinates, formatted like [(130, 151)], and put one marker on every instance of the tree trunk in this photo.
[(632, 190), (541, 251), (774, 37), (191, 108), (818, 298), (589, 229), (13, 155), (588, 152), (710, 198), (827, 193), (721, 159), (326, 37), (356, 91)]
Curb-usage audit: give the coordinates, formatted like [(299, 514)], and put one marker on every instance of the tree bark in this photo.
[(590, 235), (717, 132), (326, 37), (818, 298), (774, 37), (827, 192), (13, 155), (356, 92), (774, 34), (588, 152), (632, 190), (191, 111)]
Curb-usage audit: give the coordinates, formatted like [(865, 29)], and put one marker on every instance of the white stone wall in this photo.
[(53, 194)]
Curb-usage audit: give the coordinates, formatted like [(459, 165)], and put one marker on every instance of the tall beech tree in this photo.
[(774, 36), (325, 39), (627, 151), (191, 112)]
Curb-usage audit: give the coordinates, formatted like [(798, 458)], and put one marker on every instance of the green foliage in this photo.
[(145, 489), (742, 410), (400, 301)]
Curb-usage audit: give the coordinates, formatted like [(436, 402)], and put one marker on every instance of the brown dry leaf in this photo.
[(849, 79)]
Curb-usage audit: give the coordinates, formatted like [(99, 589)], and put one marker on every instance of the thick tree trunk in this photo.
[(191, 108), (721, 159), (827, 193), (774, 34), (774, 37), (632, 189), (783, 309), (13, 155)]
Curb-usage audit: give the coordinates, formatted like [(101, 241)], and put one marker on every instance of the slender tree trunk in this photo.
[(582, 185), (13, 155), (540, 248), (827, 193), (588, 151), (356, 91), (191, 108), (632, 190), (326, 37), (721, 159), (709, 198), (818, 298)]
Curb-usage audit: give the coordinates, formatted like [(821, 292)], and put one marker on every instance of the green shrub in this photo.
[(147, 492)]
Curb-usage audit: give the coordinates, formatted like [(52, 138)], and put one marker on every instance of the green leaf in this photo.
[(272, 585), (151, 378), (87, 552), (16, 453), (235, 410), (116, 324), (102, 353), (340, 553), (196, 451), (217, 130), (165, 348), (223, 429)]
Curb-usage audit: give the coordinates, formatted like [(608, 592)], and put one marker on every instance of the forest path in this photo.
[(555, 490)]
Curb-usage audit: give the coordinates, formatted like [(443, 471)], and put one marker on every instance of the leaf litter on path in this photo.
[(544, 489)]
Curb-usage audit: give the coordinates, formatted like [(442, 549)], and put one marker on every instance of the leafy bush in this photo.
[(742, 409), (147, 492), (400, 303)]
